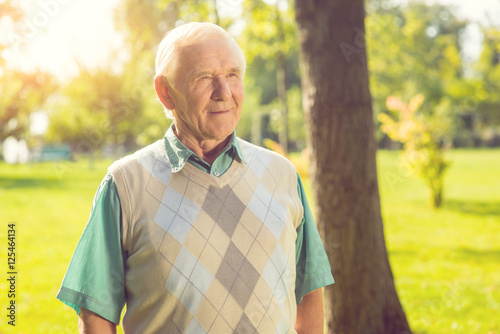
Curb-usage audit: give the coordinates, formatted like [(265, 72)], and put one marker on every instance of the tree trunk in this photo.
[(337, 105)]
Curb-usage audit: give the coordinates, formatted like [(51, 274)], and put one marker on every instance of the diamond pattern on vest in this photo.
[(229, 270)]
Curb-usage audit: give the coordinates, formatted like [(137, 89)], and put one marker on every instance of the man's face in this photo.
[(208, 91)]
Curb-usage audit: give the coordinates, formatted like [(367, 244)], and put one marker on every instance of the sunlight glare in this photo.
[(60, 35)]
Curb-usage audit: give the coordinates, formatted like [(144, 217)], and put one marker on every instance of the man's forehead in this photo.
[(206, 44), (196, 55)]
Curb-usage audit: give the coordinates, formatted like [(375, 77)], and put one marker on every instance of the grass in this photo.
[(49, 203), (445, 262)]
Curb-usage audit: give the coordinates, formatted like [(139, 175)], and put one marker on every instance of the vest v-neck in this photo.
[(202, 177)]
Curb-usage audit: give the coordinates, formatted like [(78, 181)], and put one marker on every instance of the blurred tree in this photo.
[(297, 132), (422, 138), (102, 112), (337, 104), (269, 42), (9, 16), (415, 49), (250, 125), (486, 117), (144, 23), (22, 94)]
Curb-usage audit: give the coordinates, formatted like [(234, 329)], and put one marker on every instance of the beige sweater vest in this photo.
[(209, 254)]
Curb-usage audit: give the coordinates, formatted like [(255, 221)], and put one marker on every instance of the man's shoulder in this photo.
[(147, 157), (253, 153)]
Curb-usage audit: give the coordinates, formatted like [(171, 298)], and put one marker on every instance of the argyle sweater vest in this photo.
[(208, 254)]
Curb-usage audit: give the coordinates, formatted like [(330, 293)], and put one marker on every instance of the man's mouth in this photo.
[(220, 111)]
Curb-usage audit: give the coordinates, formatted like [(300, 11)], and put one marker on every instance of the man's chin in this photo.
[(221, 133)]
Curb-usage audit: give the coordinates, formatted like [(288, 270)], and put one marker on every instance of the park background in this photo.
[(68, 109)]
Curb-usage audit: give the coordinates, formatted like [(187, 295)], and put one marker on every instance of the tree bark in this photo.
[(337, 106)]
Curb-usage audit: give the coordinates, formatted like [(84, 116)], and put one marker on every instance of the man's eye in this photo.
[(205, 77), (231, 75)]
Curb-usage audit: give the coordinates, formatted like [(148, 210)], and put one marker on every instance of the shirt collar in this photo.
[(178, 154)]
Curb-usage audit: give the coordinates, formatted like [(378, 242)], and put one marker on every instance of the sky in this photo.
[(60, 33)]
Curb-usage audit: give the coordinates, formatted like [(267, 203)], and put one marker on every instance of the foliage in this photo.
[(422, 137), (269, 42), (486, 99), (22, 94), (411, 48), (112, 114), (296, 121), (422, 46), (10, 15), (249, 127), (415, 49), (261, 36)]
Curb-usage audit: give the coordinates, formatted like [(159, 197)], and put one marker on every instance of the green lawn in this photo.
[(446, 263)]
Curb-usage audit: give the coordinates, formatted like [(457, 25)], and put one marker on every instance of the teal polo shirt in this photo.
[(179, 155), (102, 235)]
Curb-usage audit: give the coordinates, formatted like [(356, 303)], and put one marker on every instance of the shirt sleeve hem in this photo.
[(317, 282), (77, 300)]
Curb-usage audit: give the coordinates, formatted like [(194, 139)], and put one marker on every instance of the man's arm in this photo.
[(91, 323), (310, 313)]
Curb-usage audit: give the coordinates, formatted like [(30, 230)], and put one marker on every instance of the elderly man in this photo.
[(200, 232)]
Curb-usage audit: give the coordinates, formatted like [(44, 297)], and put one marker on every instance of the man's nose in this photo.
[(221, 90)]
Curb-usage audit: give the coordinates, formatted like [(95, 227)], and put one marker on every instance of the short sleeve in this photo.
[(95, 276), (313, 268)]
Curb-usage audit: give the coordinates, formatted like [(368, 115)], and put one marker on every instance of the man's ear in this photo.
[(162, 90)]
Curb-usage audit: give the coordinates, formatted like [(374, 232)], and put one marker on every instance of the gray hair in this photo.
[(184, 35)]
